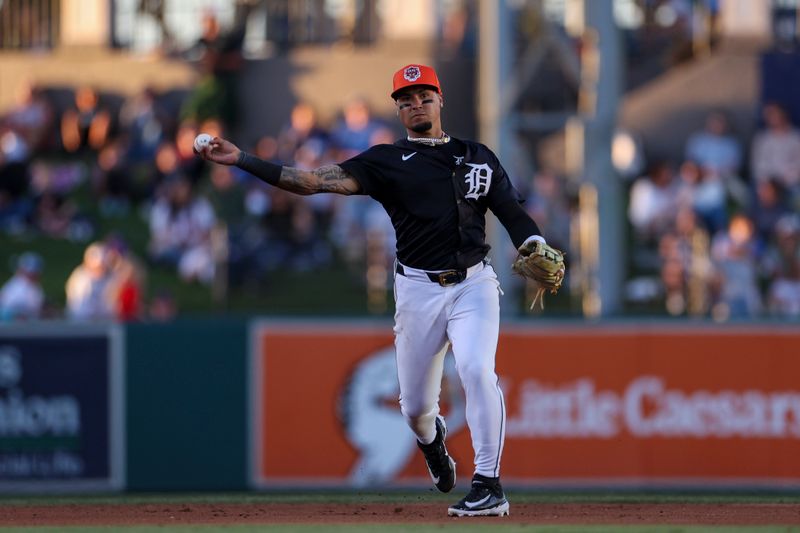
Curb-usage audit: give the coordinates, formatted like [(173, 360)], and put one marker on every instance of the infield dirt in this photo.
[(427, 513)]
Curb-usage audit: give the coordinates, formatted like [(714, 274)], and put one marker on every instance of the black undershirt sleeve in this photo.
[(264, 170), (517, 222)]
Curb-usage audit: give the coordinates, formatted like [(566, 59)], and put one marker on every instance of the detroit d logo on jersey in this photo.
[(478, 179)]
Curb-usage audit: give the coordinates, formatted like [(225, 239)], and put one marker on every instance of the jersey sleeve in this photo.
[(366, 168)]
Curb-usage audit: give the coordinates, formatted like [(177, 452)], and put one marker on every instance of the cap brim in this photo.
[(401, 89)]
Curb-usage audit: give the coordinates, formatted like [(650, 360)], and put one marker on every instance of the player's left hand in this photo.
[(543, 264)]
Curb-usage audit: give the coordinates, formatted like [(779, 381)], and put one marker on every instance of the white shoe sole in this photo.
[(500, 510)]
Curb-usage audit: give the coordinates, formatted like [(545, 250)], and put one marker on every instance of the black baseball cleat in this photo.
[(485, 498), (441, 466)]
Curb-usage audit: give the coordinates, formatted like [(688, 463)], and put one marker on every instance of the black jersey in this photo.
[(437, 197)]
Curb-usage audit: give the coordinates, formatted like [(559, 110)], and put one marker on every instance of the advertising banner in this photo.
[(584, 406), (61, 413)]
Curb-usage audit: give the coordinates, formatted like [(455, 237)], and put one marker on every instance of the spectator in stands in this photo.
[(22, 297), (31, 117), (714, 149), (15, 204), (735, 261), (127, 284), (112, 180), (704, 192), (303, 128), (781, 263), (143, 125), (54, 214), (775, 151), (719, 156), (87, 126), (89, 287), (653, 202), (266, 147), (783, 249), (181, 225), (783, 298), (771, 204), (62, 177), (354, 132), (175, 158), (186, 162), (166, 165), (685, 265), (547, 203)]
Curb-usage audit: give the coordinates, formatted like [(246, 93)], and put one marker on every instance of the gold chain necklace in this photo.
[(444, 139)]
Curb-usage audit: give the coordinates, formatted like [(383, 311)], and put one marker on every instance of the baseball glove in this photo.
[(543, 264)]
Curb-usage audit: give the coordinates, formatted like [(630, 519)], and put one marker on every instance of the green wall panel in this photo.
[(187, 405)]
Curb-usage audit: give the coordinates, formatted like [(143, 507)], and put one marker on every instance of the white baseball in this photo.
[(201, 141)]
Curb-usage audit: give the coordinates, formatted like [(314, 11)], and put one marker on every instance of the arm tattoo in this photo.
[(328, 178)]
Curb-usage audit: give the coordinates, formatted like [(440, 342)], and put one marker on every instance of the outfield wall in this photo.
[(249, 404), (597, 405)]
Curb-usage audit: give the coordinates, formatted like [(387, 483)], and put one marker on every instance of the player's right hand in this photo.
[(220, 151)]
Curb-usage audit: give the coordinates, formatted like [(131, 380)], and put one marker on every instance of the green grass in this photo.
[(401, 497), (401, 528)]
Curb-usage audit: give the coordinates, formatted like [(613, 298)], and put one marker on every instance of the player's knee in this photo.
[(476, 372), (420, 424), (419, 416), (413, 410)]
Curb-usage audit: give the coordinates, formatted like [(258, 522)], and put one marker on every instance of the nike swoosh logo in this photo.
[(472, 505), (406, 157), (435, 479)]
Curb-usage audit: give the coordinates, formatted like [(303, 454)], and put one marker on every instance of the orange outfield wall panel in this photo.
[(583, 406)]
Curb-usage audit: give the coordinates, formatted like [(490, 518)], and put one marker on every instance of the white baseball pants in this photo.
[(428, 317)]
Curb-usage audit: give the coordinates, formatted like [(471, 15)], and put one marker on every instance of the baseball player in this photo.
[(436, 190)]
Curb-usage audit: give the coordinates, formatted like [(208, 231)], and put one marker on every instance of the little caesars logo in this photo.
[(478, 180), (647, 408)]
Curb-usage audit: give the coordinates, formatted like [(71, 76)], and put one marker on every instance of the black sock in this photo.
[(491, 481)]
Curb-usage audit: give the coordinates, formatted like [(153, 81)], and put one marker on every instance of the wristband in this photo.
[(263, 170), (534, 238)]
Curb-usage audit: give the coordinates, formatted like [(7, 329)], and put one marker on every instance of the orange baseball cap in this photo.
[(411, 75)]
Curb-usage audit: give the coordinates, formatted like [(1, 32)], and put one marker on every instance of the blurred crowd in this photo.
[(716, 233), (67, 175), (716, 236), (76, 169)]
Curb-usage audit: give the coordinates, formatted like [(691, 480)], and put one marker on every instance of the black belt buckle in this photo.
[(451, 277)]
